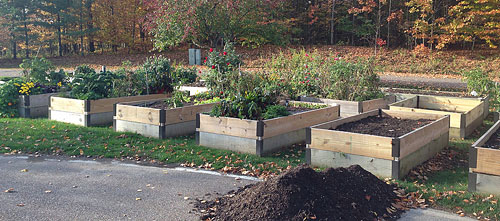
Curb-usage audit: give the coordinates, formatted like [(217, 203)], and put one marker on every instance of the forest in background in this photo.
[(79, 27)]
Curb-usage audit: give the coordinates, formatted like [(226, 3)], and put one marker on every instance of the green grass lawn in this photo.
[(444, 188)]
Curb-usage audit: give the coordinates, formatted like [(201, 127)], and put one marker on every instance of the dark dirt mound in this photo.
[(303, 194), (494, 141), (383, 126)]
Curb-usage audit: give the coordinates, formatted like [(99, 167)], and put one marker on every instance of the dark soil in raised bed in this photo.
[(427, 92), (383, 126), (296, 110), (163, 105), (302, 194), (494, 141)]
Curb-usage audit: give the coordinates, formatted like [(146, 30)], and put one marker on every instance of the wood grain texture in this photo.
[(68, 105), (137, 114), (228, 126), (418, 138), (487, 161), (106, 105)]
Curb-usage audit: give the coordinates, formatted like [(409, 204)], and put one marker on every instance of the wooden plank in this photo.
[(137, 114), (298, 121), (106, 105), (418, 138), (374, 104), (455, 118), (474, 114), (41, 100), (411, 115), (486, 136), (446, 104), (335, 123), (68, 105), (188, 113), (351, 143), (409, 102), (346, 107), (228, 126), (487, 161)]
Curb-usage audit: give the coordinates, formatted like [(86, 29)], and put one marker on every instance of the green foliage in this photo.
[(275, 111), (479, 83), (156, 74), (307, 105), (312, 74), (128, 83), (9, 98), (207, 101), (178, 99), (89, 85), (183, 75), (41, 70)]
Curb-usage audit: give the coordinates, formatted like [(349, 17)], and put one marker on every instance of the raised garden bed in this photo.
[(34, 106), (466, 114), (150, 119), (402, 141), (90, 112), (484, 162), (259, 137), (350, 108)]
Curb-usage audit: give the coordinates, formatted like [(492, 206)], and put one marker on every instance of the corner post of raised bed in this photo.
[(163, 121), (24, 106), (86, 115), (114, 116), (308, 142), (463, 125), (396, 152), (197, 132), (472, 178), (260, 138), (360, 107)]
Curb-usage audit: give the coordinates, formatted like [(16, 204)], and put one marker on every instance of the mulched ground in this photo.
[(302, 194), (494, 141), (383, 126)]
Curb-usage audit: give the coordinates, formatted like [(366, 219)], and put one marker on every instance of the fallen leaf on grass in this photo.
[(137, 199), (24, 170), (186, 198), (139, 190), (10, 190), (20, 204), (48, 191)]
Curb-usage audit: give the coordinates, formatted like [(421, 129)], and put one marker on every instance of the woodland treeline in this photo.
[(63, 27)]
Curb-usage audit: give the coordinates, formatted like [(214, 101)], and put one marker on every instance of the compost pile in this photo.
[(303, 194)]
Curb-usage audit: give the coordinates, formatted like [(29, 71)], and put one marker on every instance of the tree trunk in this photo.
[(90, 26), (14, 48), (59, 40), (389, 24), (26, 37), (332, 24), (81, 28)]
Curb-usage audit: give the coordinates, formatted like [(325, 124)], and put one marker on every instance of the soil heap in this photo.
[(303, 194)]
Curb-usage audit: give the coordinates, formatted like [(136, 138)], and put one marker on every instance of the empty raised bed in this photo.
[(90, 112), (386, 143), (150, 119), (350, 108), (466, 114), (484, 162), (260, 137)]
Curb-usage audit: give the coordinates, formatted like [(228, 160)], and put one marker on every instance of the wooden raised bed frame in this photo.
[(351, 108), (154, 122), (466, 114), (90, 112), (484, 165), (259, 137), (383, 156), (34, 106)]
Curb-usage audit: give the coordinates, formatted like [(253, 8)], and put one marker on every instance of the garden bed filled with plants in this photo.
[(313, 77), (484, 162), (174, 116), (386, 143), (29, 96), (94, 95)]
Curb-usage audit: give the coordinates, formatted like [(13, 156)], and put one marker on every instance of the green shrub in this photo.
[(479, 83), (275, 111), (41, 70), (89, 85), (156, 75), (9, 98), (223, 67), (128, 83), (183, 75)]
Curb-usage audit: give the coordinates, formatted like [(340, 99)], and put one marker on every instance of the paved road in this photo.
[(107, 190), (10, 72), (422, 81)]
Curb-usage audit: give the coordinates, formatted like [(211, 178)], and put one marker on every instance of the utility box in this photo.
[(194, 56)]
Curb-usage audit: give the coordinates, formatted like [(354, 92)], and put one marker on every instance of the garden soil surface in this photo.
[(383, 126), (494, 141), (303, 194)]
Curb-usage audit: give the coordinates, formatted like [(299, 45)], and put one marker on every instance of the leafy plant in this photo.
[(127, 83), (177, 100), (275, 111), (223, 75), (9, 98), (42, 71), (480, 84), (183, 75), (156, 75), (89, 85)]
